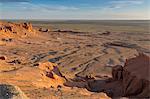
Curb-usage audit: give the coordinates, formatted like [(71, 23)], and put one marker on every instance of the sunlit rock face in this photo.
[(51, 72), (27, 26), (16, 29)]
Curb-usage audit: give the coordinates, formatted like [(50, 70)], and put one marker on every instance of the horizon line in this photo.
[(79, 19)]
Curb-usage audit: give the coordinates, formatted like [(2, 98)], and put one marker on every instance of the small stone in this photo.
[(2, 57)]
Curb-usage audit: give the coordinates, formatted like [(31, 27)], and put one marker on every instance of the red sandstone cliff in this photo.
[(134, 76)]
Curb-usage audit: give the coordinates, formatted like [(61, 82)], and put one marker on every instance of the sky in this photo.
[(75, 9)]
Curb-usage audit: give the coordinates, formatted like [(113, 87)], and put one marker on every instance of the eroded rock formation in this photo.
[(16, 28), (131, 80), (45, 75), (117, 72), (27, 26), (5, 28), (134, 76), (51, 70)]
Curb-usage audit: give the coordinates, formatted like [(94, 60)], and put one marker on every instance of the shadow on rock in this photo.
[(105, 84), (130, 80)]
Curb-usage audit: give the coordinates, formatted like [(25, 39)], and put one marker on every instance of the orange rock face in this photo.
[(45, 76), (28, 26), (6, 28), (50, 70), (15, 29)]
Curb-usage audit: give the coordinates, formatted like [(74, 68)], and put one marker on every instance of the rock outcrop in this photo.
[(134, 76), (27, 26), (5, 28), (43, 30), (16, 29), (11, 92), (50, 70), (131, 80), (45, 75), (117, 72)]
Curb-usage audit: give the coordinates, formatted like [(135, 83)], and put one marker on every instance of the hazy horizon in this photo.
[(75, 9), (80, 19)]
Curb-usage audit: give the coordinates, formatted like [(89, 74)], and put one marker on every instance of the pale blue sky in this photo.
[(75, 9)]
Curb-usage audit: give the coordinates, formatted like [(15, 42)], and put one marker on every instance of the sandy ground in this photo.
[(80, 50)]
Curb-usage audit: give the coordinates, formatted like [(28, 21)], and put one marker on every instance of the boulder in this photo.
[(3, 57), (106, 33), (11, 92)]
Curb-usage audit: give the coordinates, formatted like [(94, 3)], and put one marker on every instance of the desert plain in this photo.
[(74, 59)]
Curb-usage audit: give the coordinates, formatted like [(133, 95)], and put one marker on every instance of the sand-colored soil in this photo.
[(55, 63)]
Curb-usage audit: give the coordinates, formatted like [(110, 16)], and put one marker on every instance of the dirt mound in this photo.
[(11, 92)]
